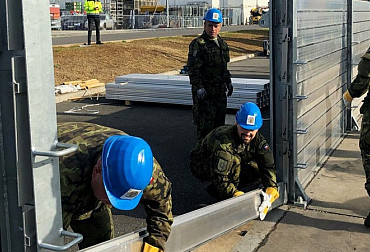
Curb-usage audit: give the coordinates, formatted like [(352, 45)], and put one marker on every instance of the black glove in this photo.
[(230, 89), (201, 93)]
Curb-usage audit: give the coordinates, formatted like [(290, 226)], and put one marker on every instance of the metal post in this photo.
[(279, 40), (168, 14), (348, 114)]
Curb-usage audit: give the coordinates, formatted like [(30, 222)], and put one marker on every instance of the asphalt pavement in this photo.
[(66, 37)]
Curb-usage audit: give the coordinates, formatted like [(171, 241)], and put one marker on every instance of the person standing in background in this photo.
[(207, 61), (93, 8)]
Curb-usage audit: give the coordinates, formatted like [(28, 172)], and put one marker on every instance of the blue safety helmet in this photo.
[(249, 116), (213, 15), (127, 167)]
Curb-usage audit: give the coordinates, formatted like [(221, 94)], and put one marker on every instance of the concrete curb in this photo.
[(260, 231), (248, 56), (239, 58)]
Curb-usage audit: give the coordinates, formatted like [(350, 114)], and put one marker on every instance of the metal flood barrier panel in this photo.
[(315, 43), (319, 72), (194, 228)]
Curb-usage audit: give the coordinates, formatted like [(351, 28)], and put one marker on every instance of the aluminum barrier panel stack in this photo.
[(176, 89)]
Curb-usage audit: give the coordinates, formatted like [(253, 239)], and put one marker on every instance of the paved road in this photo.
[(80, 37)]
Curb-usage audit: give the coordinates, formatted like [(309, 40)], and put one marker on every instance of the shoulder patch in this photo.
[(263, 145), (222, 165), (201, 41)]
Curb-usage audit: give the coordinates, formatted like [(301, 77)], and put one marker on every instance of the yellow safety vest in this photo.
[(92, 7)]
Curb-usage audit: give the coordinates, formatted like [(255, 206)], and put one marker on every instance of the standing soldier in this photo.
[(209, 77), (109, 169), (93, 8), (357, 88), (236, 159)]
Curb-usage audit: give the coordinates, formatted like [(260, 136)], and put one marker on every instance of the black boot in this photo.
[(367, 220)]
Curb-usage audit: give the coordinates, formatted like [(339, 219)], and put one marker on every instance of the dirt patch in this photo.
[(105, 62)]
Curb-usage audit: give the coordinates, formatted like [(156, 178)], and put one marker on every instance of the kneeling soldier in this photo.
[(236, 158), (109, 169)]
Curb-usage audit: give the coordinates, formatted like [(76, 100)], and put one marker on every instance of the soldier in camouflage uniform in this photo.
[(81, 208), (207, 61), (357, 88), (236, 158)]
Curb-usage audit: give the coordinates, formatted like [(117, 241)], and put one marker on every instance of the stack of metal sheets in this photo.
[(176, 89)]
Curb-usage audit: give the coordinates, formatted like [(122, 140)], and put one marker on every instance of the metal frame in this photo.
[(348, 114), (280, 112), (30, 206)]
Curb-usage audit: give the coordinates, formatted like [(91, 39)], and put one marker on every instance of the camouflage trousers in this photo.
[(96, 229), (209, 114), (365, 148)]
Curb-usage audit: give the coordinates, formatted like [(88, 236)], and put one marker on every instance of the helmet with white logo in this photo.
[(127, 167), (213, 15), (249, 116)]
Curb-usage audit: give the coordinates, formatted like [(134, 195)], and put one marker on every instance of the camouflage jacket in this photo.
[(227, 158), (207, 64), (362, 81), (78, 200)]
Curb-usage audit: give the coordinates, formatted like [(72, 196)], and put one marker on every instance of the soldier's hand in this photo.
[(201, 93), (150, 248), (269, 197), (347, 99), (230, 89)]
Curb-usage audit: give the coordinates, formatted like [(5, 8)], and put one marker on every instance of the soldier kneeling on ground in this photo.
[(237, 159), (109, 169)]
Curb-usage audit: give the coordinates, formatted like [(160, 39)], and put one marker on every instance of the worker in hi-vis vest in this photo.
[(93, 8)]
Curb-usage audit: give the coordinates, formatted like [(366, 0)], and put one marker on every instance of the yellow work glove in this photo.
[(150, 248), (347, 99), (238, 193), (269, 196)]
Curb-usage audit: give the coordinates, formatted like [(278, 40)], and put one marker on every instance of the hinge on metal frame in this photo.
[(29, 223), (18, 74), (285, 36)]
